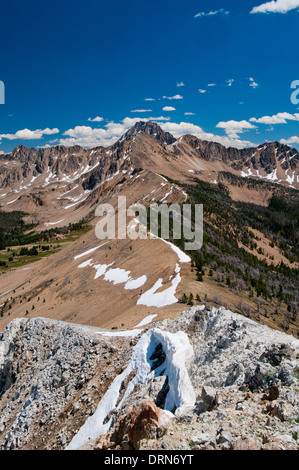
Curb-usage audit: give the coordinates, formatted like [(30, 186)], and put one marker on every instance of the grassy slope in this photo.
[(15, 234), (257, 275)]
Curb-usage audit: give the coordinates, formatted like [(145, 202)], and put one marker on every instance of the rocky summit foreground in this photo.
[(210, 379)]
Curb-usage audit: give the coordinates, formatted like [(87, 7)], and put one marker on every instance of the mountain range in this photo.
[(47, 191), (94, 343), (146, 146)]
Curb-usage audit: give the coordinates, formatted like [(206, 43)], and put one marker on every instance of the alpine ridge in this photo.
[(95, 352), (210, 379), (30, 168)]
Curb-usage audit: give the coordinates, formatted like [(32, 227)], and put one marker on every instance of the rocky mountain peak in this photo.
[(149, 128)]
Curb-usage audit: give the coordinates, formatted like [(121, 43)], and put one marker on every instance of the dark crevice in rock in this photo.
[(158, 357), (161, 397)]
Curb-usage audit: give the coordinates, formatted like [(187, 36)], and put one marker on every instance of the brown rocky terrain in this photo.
[(58, 186), (64, 182), (57, 363)]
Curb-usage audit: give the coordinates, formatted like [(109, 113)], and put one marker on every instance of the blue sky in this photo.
[(83, 72)]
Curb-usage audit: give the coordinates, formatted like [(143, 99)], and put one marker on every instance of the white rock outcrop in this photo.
[(62, 384)]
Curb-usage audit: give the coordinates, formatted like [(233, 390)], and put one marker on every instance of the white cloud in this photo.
[(234, 128), (141, 111), (169, 108), (160, 118), (292, 140), (202, 91), (96, 119), (278, 6), (212, 84), (280, 118), (1, 152), (189, 114), (27, 134), (183, 128), (180, 84), (149, 99), (222, 12), (87, 137), (253, 83), (50, 131), (230, 81), (175, 97)]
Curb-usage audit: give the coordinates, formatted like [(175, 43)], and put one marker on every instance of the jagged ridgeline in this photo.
[(80, 356), (209, 376), (249, 260)]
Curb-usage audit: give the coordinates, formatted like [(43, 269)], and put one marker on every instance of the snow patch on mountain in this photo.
[(133, 284), (177, 350), (92, 250), (146, 321), (152, 298)]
